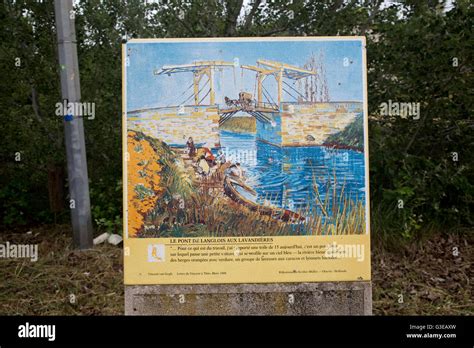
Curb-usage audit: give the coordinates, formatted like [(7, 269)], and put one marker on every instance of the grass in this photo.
[(207, 211), (240, 125), (94, 277), (425, 274), (351, 137), (431, 279), (342, 216)]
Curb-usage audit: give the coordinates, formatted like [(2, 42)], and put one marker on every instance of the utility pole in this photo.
[(73, 126)]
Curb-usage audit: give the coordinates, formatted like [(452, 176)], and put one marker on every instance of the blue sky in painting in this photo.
[(145, 90)]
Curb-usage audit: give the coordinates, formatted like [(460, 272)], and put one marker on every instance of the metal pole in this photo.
[(73, 126)]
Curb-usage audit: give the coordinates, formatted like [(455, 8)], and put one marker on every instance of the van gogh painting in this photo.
[(246, 138)]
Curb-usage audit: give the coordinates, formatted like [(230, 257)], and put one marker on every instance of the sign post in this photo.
[(73, 126), (254, 198)]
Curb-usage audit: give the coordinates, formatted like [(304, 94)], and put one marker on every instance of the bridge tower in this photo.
[(279, 70), (199, 70)]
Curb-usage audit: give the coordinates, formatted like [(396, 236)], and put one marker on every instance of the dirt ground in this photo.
[(429, 277), (433, 276), (62, 281)]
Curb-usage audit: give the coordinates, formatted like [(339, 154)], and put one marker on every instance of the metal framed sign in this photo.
[(245, 160)]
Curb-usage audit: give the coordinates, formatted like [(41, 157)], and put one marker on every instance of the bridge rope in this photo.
[(294, 89), (185, 91), (227, 117), (208, 91), (255, 116), (192, 95), (290, 94), (261, 117), (267, 95), (187, 99)]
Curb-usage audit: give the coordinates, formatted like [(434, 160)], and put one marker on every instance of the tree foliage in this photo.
[(412, 47)]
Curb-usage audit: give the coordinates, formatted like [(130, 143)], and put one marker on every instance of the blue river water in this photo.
[(286, 177)]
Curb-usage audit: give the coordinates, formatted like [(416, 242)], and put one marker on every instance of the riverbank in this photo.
[(352, 137), (188, 204), (175, 201), (338, 146), (240, 124)]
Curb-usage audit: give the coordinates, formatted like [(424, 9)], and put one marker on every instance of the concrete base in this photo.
[(342, 298)]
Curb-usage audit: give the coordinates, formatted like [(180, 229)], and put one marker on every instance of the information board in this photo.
[(245, 160)]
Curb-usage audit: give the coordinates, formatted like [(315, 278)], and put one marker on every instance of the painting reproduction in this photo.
[(245, 160)]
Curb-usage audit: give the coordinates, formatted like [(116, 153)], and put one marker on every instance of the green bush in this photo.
[(411, 51)]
